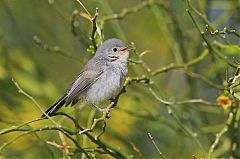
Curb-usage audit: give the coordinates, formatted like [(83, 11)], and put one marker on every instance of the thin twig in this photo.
[(210, 46), (204, 79), (60, 127), (94, 29), (219, 135), (139, 56), (103, 130), (139, 153), (54, 49), (84, 7), (98, 142), (186, 130), (34, 101), (62, 148), (96, 121), (131, 10), (155, 145), (173, 66), (189, 101), (225, 31)]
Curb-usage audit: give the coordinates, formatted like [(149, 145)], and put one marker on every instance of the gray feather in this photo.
[(100, 79), (79, 86)]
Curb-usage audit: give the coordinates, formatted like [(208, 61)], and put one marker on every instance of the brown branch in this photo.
[(64, 149), (140, 155), (81, 4)]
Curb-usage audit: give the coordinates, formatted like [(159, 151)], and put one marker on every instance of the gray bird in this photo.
[(102, 77)]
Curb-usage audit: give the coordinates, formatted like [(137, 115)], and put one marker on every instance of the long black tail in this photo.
[(55, 107)]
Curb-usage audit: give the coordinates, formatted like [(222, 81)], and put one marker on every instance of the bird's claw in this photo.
[(107, 111)]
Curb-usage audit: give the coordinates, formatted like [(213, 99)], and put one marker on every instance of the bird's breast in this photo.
[(108, 85)]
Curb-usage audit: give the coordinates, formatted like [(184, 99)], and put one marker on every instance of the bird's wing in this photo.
[(82, 82)]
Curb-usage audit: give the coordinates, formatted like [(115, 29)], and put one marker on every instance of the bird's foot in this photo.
[(107, 111)]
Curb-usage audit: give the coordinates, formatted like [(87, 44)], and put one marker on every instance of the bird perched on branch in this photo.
[(100, 79)]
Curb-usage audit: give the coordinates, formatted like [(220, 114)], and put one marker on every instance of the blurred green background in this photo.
[(46, 71)]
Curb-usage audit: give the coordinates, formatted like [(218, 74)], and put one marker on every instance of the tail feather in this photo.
[(52, 110)]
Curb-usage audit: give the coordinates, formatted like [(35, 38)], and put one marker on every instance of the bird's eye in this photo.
[(115, 49)]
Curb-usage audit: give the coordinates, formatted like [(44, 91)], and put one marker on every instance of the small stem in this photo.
[(212, 49), (34, 101), (94, 29), (155, 145), (177, 66), (189, 101), (219, 135), (81, 4)]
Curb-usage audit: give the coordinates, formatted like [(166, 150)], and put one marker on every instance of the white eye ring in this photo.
[(115, 49)]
